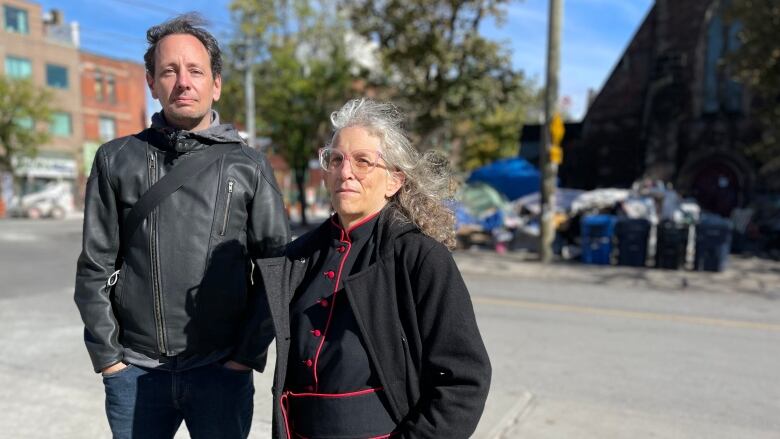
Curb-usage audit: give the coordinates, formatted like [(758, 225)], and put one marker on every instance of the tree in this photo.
[(488, 138), (459, 88), (301, 76), (494, 135), (22, 108), (757, 63)]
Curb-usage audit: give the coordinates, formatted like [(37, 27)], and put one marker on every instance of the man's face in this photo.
[(183, 82)]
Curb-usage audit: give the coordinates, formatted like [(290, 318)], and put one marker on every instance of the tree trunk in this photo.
[(2, 201), (300, 182)]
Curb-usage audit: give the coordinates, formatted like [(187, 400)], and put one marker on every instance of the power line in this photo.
[(94, 43), (116, 38), (123, 37), (163, 10)]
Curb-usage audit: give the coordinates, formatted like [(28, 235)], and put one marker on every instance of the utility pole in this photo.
[(249, 92), (550, 155)]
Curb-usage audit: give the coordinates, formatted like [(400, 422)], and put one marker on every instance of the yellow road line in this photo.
[(577, 309)]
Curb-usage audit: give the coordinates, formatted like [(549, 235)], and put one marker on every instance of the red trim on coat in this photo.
[(387, 436), (348, 241), (345, 232), (330, 315), (287, 394), (283, 404), (334, 395)]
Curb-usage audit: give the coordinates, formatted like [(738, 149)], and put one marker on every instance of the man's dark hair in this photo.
[(190, 23)]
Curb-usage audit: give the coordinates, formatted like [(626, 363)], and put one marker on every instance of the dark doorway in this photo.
[(716, 186)]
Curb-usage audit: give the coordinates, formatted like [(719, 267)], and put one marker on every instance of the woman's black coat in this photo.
[(416, 319)]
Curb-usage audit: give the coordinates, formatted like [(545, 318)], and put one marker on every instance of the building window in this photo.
[(111, 89), (720, 91), (107, 128), (25, 122), (60, 124), (56, 76), (18, 68), (16, 20), (99, 86)]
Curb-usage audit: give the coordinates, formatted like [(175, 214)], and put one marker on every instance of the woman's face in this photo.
[(357, 195)]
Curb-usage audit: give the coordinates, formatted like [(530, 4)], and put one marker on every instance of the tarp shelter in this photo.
[(563, 200), (513, 177), (479, 204)]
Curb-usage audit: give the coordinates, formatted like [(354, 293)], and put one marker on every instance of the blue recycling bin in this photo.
[(632, 235), (713, 243), (672, 241), (596, 233)]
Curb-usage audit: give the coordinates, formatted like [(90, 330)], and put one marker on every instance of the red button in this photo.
[(341, 249), (329, 274), (316, 333), (309, 363), (324, 303)]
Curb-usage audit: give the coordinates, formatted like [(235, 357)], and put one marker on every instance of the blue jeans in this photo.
[(213, 401)]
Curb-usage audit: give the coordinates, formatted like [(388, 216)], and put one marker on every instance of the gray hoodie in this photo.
[(216, 133)]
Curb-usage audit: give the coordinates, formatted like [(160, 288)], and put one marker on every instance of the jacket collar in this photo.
[(182, 141), (391, 224)]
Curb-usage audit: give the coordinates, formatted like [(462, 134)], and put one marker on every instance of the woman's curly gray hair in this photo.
[(427, 179)]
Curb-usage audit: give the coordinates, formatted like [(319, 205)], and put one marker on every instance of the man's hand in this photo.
[(114, 368), (230, 364)]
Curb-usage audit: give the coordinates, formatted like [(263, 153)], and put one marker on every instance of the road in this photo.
[(576, 352)]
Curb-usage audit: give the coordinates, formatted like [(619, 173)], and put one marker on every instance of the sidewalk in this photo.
[(746, 275)]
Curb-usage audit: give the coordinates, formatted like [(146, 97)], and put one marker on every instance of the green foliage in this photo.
[(757, 64), (459, 88), (493, 135), (301, 76), (22, 108)]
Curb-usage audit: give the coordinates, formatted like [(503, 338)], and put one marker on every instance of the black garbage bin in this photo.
[(671, 243), (713, 243), (632, 235)]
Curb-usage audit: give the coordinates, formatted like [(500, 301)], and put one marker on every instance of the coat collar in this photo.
[(391, 224)]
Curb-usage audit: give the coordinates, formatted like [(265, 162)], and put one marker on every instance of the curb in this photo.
[(745, 274), (515, 416)]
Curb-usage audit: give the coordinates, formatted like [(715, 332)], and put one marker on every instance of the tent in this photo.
[(513, 177), (479, 204)]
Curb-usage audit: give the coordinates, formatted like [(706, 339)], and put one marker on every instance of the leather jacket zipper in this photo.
[(226, 216), (155, 264)]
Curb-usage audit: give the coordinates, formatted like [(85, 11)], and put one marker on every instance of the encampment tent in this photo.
[(513, 177)]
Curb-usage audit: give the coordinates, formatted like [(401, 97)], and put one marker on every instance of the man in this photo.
[(170, 318)]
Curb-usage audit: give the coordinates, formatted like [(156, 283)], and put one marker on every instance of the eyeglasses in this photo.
[(362, 161)]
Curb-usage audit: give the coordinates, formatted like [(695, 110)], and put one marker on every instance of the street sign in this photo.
[(557, 129), (556, 154)]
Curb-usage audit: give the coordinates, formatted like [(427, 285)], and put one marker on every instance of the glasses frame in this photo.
[(348, 158)]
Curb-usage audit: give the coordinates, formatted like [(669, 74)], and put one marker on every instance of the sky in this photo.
[(595, 33)]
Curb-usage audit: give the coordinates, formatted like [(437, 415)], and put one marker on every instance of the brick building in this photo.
[(113, 96), (44, 49), (669, 111)]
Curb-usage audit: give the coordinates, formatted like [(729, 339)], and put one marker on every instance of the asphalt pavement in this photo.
[(577, 351)]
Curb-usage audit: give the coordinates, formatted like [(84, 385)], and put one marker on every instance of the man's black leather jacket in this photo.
[(182, 286)]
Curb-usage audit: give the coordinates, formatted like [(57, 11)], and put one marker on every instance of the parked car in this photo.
[(54, 200)]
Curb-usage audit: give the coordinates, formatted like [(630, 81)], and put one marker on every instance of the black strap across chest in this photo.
[(184, 171)]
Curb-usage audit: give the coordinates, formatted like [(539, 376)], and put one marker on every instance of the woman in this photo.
[(381, 339)]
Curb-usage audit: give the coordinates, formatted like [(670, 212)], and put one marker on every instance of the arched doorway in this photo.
[(717, 187)]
